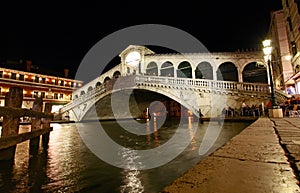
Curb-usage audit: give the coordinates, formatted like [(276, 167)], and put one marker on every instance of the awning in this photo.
[(292, 79)]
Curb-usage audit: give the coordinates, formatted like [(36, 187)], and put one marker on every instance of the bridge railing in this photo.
[(172, 81), (90, 94), (202, 83)]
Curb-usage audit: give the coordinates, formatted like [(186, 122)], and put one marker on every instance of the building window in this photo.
[(61, 96), (55, 96), (21, 77), (43, 80), (43, 94), (56, 82), (297, 68), (298, 5), (35, 94), (294, 48), (287, 3), (128, 70), (13, 76), (36, 79), (72, 84), (1, 74), (290, 23), (61, 83)]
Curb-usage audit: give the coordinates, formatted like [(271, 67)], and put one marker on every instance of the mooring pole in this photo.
[(10, 124), (35, 125), (46, 124)]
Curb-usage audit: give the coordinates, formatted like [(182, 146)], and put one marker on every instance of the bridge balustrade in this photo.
[(172, 81)]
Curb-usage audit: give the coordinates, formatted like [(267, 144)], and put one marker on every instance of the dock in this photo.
[(263, 158)]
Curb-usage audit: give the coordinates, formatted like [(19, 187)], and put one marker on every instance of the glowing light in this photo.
[(288, 57), (267, 50), (133, 59), (267, 43)]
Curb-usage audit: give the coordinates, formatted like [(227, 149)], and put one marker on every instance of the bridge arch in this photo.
[(98, 84), (162, 92), (152, 69), (227, 71), (254, 73), (116, 74), (167, 69), (204, 70), (184, 70), (106, 79), (90, 88)]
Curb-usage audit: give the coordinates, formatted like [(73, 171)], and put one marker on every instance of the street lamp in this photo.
[(268, 56)]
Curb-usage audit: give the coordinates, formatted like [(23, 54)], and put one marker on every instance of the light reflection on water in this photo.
[(67, 165)]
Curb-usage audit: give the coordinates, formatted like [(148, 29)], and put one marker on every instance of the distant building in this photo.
[(53, 89)]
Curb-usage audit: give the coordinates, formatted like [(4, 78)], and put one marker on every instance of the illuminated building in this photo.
[(53, 89)]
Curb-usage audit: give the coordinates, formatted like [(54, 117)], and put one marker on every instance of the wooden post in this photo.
[(10, 124), (46, 124), (35, 125)]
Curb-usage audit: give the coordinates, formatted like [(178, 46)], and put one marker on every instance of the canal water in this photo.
[(68, 165)]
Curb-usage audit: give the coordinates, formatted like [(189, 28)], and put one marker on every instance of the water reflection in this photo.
[(192, 133), (67, 165), (131, 178)]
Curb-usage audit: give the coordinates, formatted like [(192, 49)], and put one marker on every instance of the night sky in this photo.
[(58, 34)]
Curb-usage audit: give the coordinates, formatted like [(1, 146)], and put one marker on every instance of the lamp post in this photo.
[(268, 56), (275, 110)]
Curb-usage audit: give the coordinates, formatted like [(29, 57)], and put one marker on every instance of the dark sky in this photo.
[(58, 34)]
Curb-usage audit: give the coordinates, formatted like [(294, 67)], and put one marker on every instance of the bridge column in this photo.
[(214, 73), (240, 75), (158, 68), (193, 72)]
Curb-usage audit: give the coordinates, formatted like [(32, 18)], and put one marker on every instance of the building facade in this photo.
[(291, 10), (53, 89), (281, 61)]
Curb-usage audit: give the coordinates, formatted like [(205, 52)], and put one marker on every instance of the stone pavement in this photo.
[(258, 160), (288, 131)]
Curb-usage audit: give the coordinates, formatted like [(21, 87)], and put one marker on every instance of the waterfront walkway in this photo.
[(263, 158)]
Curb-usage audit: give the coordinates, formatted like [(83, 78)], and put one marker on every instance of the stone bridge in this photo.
[(205, 81)]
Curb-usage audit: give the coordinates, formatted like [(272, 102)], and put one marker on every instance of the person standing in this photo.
[(244, 106)]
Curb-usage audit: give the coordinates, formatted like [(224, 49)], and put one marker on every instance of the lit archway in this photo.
[(227, 72), (167, 69), (116, 74), (152, 69), (204, 71), (184, 70), (255, 73)]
